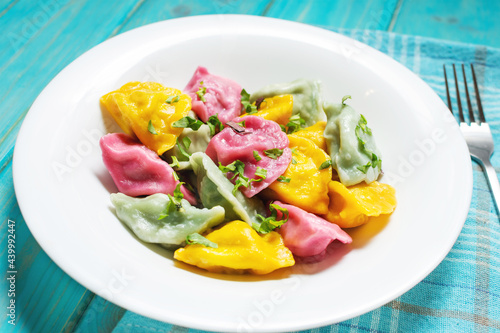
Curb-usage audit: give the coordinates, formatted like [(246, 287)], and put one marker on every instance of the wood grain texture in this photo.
[(40, 38), (370, 14), (462, 21)]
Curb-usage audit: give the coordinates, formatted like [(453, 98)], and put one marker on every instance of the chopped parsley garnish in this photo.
[(361, 130), (256, 155), (235, 167), (245, 101), (173, 99), (362, 124), (174, 202), (364, 168), (175, 162), (283, 179), (273, 153), (260, 172), (376, 162), (325, 164), (151, 128), (215, 125), (295, 123), (183, 146), (196, 238), (201, 92), (294, 161), (187, 121), (238, 169), (345, 98), (268, 224)]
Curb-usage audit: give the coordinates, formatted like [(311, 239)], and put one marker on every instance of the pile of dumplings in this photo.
[(237, 182)]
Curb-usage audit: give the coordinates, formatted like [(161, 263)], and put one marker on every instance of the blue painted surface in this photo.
[(41, 37)]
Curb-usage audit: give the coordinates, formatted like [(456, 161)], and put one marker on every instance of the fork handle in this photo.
[(492, 181)]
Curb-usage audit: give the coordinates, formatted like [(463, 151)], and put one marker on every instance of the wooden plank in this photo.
[(462, 21), (157, 10), (39, 48), (365, 14), (99, 316), (5, 6)]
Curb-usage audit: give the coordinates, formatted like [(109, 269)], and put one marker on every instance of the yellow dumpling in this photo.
[(147, 111), (304, 183), (352, 206), (240, 250), (277, 108), (314, 133)]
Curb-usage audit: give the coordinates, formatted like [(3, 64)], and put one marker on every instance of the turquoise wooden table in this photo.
[(39, 38)]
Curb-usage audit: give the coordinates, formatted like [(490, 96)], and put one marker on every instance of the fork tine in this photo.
[(447, 90), (469, 104), (478, 99), (459, 103)]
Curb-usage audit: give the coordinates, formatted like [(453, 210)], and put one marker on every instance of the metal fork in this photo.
[(477, 134)]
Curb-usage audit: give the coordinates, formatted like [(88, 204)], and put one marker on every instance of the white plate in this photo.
[(63, 187)]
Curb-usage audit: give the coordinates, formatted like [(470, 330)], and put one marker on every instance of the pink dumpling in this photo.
[(136, 169), (260, 135), (306, 234), (222, 96)]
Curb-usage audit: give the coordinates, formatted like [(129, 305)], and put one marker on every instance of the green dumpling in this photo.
[(199, 140), (307, 98), (351, 145), (142, 215), (216, 190)]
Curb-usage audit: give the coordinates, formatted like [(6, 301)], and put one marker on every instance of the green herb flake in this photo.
[(245, 102), (363, 130), (295, 123), (273, 153), (261, 173), (283, 179), (364, 168), (376, 162), (214, 124), (345, 98), (362, 124), (256, 155), (173, 99), (183, 146), (188, 122), (294, 161), (201, 92), (151, 128), (325, 164), (174, 203), (196, 238), (237, 168), (175, 162), (272, 222)]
